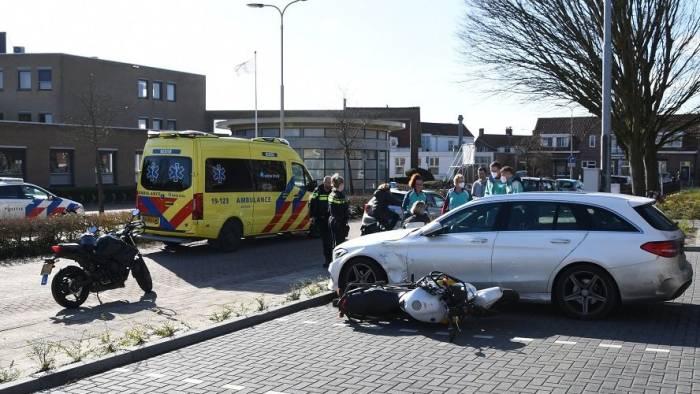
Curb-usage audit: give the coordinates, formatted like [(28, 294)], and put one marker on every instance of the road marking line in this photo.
[(444, 333), (122, 370), (155, 375), (521, 339), (408, 330), (657, 350), (308, 322), (565, 342), (233, 387), (609, 345), (193, 381), (484, 336)]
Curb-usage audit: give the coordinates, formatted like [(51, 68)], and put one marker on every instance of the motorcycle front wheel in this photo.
[(68, 287), (140, 272)]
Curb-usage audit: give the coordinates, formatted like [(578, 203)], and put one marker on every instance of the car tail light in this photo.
[(139, 204), (56, 249), (367, 209), (663, 248), (198, 206)]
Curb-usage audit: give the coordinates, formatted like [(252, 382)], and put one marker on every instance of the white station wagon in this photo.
[(585, 252)]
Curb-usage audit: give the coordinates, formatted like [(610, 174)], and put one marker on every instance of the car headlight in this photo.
[(339, 252)]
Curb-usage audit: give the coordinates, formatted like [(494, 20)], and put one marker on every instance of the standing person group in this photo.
[(319, 211), (339, 212), (413, 195), (329, 210), (456, 196), (502, 181)]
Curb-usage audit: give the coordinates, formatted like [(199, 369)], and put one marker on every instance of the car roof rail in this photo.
[(271, 140), (11, 180), (184, 133)]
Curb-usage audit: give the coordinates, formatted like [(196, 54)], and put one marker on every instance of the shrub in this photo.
[(134, 336), (425, 174), (107, 343), (166, 330), (224, 314), (9, 374), (76, 350), (43, 352), (31, 237), (683, 205)]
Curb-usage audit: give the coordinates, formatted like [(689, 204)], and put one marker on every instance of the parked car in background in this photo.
[(434, 203), (585, 252), (569, 185), (19, 199), (533, 184)]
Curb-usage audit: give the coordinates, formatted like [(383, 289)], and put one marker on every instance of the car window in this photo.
[(298, 174), (599, 219), (439, 201), (531, 215), (34, 192), (270, 176), (529, 185), (227, 175), (656, 218), (11, 192), (547, 186), (166, 173), (478, 218), (566, 219)]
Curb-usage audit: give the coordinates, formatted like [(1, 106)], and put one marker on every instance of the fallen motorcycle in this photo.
[(435, 298), (104, 263)]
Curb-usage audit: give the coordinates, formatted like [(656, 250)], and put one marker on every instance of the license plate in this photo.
[(151, 221), (47, 268)]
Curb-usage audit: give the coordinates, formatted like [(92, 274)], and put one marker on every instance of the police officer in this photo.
[(318, 207), (338, 211)]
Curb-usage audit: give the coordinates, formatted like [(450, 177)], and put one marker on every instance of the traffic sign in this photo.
[(571, 160)]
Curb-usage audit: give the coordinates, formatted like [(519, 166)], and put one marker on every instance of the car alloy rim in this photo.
[(361, 273), (585, 292)]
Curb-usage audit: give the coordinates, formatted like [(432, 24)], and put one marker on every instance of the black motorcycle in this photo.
[(104, 264)]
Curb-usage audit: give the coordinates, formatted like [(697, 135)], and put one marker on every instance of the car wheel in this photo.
[(586, 292), (362, 270), (229, 237)]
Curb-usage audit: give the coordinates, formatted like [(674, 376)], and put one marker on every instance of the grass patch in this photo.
[(166, 330), (294, 292), (683, 205), (76, 350), (225, 314), (108, 344), (261, 303), (44, 353), (9, 373), (134, 336)]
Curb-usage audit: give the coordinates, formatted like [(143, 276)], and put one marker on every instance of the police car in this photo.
[(19, 199)]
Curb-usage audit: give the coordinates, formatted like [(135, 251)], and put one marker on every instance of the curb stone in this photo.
[(76, 371)]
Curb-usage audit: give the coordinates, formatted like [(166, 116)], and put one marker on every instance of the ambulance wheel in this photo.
[(229, 237)]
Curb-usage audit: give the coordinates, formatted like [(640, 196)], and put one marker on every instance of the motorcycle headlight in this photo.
[(339, 252)]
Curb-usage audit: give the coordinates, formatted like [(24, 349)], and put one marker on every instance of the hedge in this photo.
[(87, 195), (683, 205), (33, 237)]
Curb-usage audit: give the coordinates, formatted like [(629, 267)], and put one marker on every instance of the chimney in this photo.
[(481, 132), (3, 42), (509, 131)]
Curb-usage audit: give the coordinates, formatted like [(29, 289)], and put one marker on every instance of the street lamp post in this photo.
[(571, 142), (281, 12)]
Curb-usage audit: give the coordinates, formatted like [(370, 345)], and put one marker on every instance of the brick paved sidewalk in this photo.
[(529, 348)]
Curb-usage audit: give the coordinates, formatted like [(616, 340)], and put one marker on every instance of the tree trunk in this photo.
[(636, 157), (651, 167), (349, 180), (100, 188)]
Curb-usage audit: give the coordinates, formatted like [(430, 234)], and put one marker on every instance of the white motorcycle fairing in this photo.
[(485, 298), (423, 306)]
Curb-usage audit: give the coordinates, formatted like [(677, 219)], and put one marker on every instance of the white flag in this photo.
[(246, 67)]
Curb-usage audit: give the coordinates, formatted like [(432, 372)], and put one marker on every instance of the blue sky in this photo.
[(375, 53)]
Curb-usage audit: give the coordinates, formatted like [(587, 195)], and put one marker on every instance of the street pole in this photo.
[(255, 64), (606, 104), (571, 142), (281, 12)]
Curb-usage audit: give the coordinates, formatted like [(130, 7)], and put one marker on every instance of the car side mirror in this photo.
[(50, 197), (433, 230)]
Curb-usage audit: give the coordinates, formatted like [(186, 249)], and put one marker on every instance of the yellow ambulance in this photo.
[(195, 186)]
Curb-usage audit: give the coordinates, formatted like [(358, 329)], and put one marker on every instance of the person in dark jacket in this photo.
[(383, 199), (318, 207), (418, 214), (338, 211)]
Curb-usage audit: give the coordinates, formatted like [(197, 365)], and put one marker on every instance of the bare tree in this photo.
[(551, 49), (529, 149), (351, 129), (95, 117)]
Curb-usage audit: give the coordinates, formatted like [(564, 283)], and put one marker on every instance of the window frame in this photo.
[(71, 166), (247, 163), (160, 90), (22, 152), (19, 116), (139, 123), (20, 71), (160, 124), (591, 140), (497, 225), (509, 207), (43, 115), (167, 92), (255, 170), (113, 165), (168, 122), (2, 80)]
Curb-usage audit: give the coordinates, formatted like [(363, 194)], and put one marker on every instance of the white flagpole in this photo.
[(255, 64)]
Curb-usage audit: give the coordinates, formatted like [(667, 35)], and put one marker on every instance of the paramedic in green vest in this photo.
[(318, 209), (494, 185), (512, 181), (413, 195), (456, 196)]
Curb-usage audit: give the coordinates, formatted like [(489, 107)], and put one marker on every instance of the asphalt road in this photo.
[(527, 348)]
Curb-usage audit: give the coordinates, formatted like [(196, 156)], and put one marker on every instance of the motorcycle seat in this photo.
[(70, 247)]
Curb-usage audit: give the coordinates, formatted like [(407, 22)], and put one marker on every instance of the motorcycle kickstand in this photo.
[(97, 294)]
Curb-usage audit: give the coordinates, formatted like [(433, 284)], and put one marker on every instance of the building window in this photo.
[(170, 91), (292, 133), (12, 162), (2, 80), (2, 116), (451, 145), (61, 167), (591, 141), (371, 134), (108, 164), (172, 124), (143, 88), (157, 124), (562, 142), (243, 133), (399, 165), (270, 132), (381, 135), (24, 80), (434, 165), (45, 79), (45, 118), (24, 116), (157, 90), (138, 156), (588, 164), (143, 123), (313, 132), (676, 142)]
